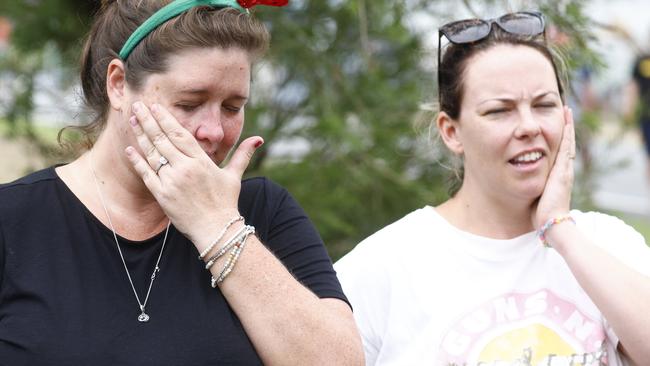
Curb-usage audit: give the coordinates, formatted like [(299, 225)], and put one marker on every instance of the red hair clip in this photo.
[(250, 3)]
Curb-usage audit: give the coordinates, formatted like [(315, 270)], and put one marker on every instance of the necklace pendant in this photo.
[(143, 318)]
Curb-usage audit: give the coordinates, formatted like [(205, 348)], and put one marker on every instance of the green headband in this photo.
[(171, 10)]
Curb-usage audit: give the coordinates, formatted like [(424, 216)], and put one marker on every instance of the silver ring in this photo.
[(161, 163)]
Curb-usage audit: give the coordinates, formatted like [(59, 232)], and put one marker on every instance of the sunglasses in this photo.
[(525, 23)]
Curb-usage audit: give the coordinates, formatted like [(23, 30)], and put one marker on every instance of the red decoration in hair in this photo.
[(250, 3)]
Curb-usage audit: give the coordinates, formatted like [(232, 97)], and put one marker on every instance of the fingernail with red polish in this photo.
[(259, 143)]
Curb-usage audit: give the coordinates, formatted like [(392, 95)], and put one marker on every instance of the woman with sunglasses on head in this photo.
[(149, 249), (502, 273)]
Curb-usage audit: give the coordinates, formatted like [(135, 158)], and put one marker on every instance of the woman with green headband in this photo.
[(149, 249)]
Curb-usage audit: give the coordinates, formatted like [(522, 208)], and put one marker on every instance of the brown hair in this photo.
[(451, 70), (201, 26), (451, 73)]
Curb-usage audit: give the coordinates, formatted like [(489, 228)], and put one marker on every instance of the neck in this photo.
[(134, 212), (493, 216), (115, 173)]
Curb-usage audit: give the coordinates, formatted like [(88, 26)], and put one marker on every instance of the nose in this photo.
[(528, 125), (210, 127)]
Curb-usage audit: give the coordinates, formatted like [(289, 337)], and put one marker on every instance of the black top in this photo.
[(641, 75), (65, 298)]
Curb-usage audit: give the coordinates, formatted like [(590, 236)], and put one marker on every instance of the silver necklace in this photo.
[(143, 317)]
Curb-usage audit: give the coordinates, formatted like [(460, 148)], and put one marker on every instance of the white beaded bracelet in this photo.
[(234, 240), (220, 236), (230, 263)]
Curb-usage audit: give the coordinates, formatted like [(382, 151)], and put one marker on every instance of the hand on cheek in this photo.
[(555, 201), (193, 191)]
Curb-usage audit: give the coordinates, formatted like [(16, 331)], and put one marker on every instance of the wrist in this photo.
[(561, 237), (549, 231), (543, 218), (217, 228)]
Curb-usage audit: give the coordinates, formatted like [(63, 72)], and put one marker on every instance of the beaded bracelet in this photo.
[(229, 244), (230, 263), (541, 233), (220, 236)]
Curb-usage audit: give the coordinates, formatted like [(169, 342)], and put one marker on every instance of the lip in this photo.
[(527, 167)]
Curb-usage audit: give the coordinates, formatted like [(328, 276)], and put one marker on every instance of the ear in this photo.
[(449, 131), (116, 84)]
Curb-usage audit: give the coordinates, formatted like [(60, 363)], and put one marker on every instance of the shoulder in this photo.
[(616, 237), (261, 196), (384, 245), (259, 192), (604, 227), (29, 189), (600, 222), (43, 175), (266, 205), (373, 274), (260, 186)]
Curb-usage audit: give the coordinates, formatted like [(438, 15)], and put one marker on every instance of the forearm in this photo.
[(621, 294), (287, 323)]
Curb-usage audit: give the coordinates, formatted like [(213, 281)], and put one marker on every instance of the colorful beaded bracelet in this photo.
[(541, 233)]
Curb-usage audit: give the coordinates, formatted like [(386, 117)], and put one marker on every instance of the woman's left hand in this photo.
[(555, 201), (198, 196)]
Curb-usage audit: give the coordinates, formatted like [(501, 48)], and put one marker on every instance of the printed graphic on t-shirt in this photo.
[(533, 329)]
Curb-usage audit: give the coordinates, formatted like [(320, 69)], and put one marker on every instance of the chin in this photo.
[(529, 192)]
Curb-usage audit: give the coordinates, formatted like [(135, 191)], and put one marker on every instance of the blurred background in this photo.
[(341, 101)]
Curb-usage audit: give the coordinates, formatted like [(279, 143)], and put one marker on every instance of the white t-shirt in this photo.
[(426, 293)]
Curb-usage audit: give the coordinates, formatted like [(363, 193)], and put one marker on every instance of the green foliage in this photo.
[(354, 73), (349, 83), (39, 23), (343, 83)]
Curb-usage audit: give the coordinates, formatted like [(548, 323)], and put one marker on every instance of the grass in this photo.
[(47, 134)]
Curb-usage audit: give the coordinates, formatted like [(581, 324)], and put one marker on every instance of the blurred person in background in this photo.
[(639, 100), (149, 249), (504, 272)]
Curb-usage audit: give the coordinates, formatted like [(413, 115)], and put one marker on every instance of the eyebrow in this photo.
[(507, 100), (204, 92)]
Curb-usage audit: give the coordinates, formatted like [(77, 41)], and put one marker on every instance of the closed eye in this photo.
[(495, 111), (187, 107), (234, 104), (232, 108), (545, 105)]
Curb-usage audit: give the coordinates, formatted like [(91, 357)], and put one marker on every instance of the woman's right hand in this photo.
[(198, 196), (555, 201)]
